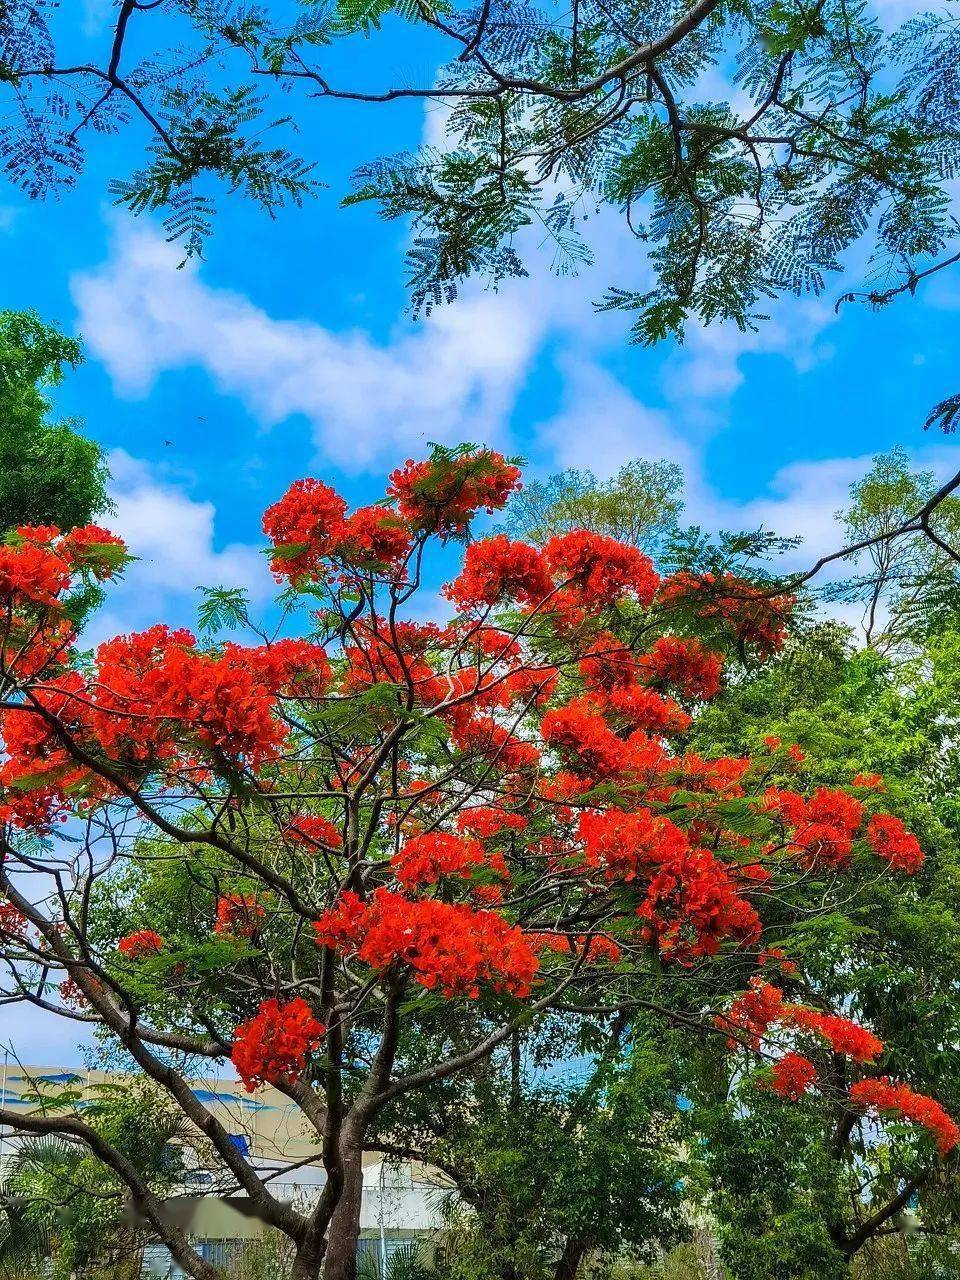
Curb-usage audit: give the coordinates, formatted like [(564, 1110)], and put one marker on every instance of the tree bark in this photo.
[(340, 1260), (569, 1262)]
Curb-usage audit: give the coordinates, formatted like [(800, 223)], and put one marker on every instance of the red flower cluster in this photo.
[(153, 701), (693, 901), (313, 832), (762, 1006), (484, 737), (238, 914), (891, 840), (424, 859), (843, 1036), (693, 905), (793, 1075), (824, 826), (585, 739), (608, 664), (496, 569), (374, 538), (32, 575), (869, 781), (310, 525), (303, 527), (684, 665), (596, 949), (597, 570), (627, 845), (135, 946), (443, 494), (449, 947), (649, 711), (13, 924), (884, 1096), (486, 821), (272, 1046), (754, 1012)]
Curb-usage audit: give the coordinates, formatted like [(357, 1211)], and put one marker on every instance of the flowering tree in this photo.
[(317, 856)]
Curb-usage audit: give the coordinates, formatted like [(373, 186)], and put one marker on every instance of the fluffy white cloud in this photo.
[(458, 373), (173, 537), (602, 425)]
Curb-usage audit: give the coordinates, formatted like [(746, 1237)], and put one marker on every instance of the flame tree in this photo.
[(315, 855)]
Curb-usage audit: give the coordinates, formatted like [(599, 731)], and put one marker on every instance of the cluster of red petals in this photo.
[(72, 994), (374, 538), (238, 914), (823, 826), (303, 527), (426, 858), (38, 563), (272, 1046), (287, 668), (13, 924), (793, 1076), (487, 821), (443, 495), (496, 569), (884, 1096), (647, 710), (627, 845), (153, 700), (595, 949), (585, 739), (452, 948), (155, 683), (694, 904), (684, 665), (483, 736), (596, 570), (754, 1012), (136, 946), (763, 1006), (755, 618), (890, 840), (313, 831), (843, 1036), (608, 665), (870, 781)]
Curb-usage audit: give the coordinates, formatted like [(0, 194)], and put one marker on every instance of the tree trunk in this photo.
[(340, 1260), (570, 1259)]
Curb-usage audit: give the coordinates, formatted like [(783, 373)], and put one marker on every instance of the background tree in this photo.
[(49, 473), (799, 1203), (829, 131), (561, 1169), (638, 506), (906, 579), (360, 862), (63, 1209)]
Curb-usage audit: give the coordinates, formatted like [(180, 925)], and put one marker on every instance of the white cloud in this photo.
[(173, 537), (709, 365), (457, 373), (602, 426)]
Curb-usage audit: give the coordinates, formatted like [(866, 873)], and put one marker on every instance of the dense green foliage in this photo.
[(62, 1211), (824, 131), (49, 473)]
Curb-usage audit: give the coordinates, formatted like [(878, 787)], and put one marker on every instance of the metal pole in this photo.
[(383, 1238), (3, 1103)]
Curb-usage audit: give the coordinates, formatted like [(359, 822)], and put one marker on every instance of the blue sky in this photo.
[(288, 352)]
